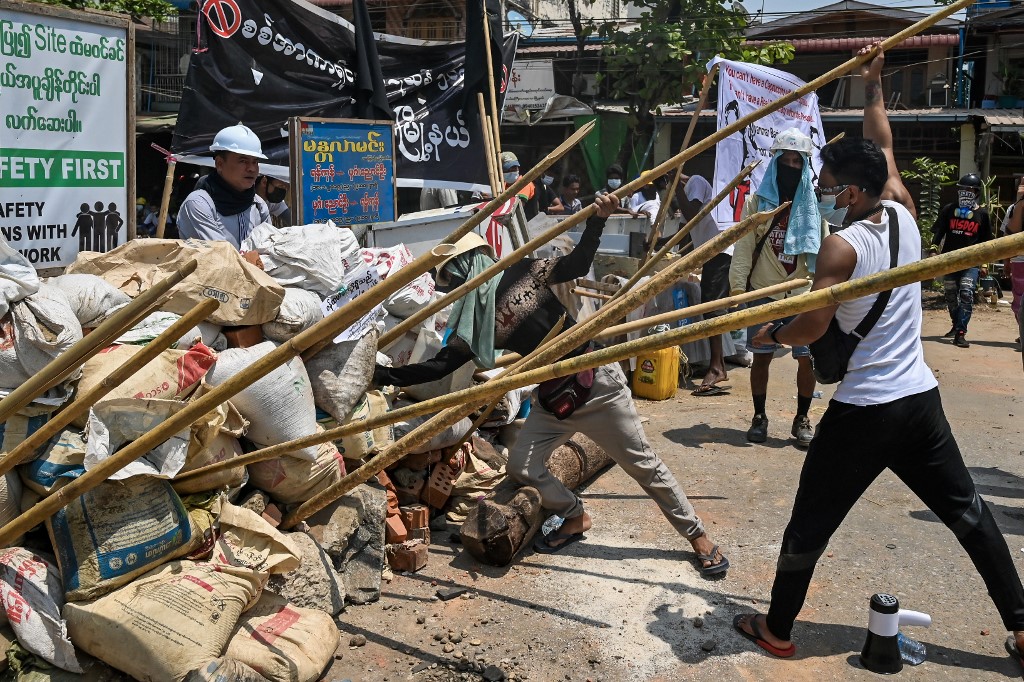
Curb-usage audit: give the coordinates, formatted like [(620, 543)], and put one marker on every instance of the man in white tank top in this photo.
[(886, 413)]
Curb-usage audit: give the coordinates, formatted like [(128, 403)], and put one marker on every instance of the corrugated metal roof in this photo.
[(805, 45)]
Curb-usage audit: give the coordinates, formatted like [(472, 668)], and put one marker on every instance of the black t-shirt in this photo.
[(960, 232), (526, 310)]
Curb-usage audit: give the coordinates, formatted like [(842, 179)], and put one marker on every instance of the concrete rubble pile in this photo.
[(197, 573)]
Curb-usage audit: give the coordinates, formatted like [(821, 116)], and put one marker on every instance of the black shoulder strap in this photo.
[(878, 307)]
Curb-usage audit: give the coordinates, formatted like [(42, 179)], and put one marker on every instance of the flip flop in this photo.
[(714, 569), (1011, 648), (758, 637), (709, 389), (542, 543)]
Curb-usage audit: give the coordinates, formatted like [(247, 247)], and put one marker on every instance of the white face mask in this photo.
[(613, 183), (548, 180), (511, 177), (828, 210)]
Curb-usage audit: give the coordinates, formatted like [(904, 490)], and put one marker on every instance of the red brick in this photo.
[(415, 515), (409, 556), (243, 337), (273, 515), (439, 486), (394, 530)]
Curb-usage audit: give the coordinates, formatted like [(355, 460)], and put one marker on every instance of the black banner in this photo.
[(262, 62)]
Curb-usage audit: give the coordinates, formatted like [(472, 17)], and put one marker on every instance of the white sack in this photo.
[(92, 298), (299, 311), (41, 327), (313, 257), (18, 277), (279, 407), (115, 423)]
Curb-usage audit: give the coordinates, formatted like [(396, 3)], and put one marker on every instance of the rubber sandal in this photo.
[(709, 389), (714, 569), (542, 543), (1011, 648), (758, 638)]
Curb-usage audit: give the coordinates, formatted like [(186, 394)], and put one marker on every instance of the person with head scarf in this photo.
[(783, 250), (515, 311)]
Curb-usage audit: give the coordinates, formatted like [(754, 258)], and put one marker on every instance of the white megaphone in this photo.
[(881, 653)]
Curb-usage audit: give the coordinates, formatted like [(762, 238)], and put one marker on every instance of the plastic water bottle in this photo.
[(912, 651), (551, 525)]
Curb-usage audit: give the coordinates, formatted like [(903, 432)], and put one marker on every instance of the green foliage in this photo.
[(933, 176), (661, 61), (989, 201), (158, 10)]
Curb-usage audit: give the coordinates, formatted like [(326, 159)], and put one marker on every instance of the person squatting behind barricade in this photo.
[(958, 225), (224, 206), (886, 412), (515, 310), (784, 250)]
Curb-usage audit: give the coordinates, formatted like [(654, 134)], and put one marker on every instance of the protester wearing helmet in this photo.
[(961, 224), (224, 205), (784, 250), (515, 310)]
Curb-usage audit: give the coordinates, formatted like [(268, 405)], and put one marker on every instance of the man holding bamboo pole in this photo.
[(516, 310), (886, 412)]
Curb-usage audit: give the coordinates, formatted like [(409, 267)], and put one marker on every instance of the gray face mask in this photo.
[(614, 183)]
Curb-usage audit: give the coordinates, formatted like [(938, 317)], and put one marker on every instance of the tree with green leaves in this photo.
[(157, 10), (662, 59), (933, 176)]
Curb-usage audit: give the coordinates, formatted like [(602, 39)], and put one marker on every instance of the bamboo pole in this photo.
[(545, 352), (597, 286), (495, 114), (396, 333), (663, 208), (701, 308), (591, 294), (165, 199), (682, 313), (68, 361), (488, 145), (563, 344), (83, 402), (705, 210), (321, 332)]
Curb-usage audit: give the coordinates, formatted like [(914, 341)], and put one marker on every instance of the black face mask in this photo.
[(788, 179), (276, 195)]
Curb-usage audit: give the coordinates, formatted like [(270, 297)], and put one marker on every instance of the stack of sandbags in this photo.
[(313, 257)]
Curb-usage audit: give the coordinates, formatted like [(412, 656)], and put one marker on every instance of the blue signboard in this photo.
[(344, 170)]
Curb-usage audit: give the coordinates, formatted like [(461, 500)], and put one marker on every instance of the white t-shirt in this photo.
[(699, 189), (635, 200), (888, 363), (650, 207)]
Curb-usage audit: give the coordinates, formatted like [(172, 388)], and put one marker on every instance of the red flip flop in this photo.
[(758, 637)]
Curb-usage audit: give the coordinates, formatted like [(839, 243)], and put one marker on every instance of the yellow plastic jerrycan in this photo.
[(657, 374)]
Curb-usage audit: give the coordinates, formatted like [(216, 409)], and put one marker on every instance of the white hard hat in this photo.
[(793, 140), (238, 139)]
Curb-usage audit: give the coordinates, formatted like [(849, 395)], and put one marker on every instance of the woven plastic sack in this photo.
[(341, 373), (299, 311), (92, 298)]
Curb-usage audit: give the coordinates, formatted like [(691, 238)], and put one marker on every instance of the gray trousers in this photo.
[(610, 419)]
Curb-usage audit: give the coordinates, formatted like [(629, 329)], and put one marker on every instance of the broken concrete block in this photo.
[(420, 534), (351, 531), (408, 556), (314, 584)]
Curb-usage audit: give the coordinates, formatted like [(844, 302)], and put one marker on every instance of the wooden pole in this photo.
[(562, 344), (165, 199), (83, 402), (488, 145), (663, 209), (71, 359), (495, 114), (685, 230), (322, 332), (396, 333), (591, 294)]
